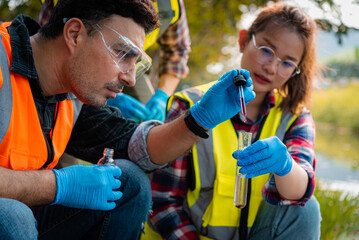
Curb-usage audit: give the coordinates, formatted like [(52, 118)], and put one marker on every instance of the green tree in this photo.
[(9, 9), (211, 23)]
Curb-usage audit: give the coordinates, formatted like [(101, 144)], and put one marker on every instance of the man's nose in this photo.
[(128, 79)]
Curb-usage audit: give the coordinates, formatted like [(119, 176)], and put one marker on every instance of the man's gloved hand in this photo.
[(222, 101), (88, 187), (129, 106), (157, 106), (269, 155)]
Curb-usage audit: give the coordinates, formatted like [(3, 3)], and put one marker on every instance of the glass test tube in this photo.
[(241, 185)]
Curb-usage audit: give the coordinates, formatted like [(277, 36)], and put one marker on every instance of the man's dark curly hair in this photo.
[(95, 11)]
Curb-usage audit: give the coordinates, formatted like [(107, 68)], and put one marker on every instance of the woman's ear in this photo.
[(242, 41)]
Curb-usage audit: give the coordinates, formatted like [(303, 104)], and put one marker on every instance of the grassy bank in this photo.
[(336, 113), (340, 214)]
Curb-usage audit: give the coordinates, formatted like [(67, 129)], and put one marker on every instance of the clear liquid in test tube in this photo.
[(241, 184)]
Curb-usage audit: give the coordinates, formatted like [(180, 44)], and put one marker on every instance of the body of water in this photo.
[(336, 176)]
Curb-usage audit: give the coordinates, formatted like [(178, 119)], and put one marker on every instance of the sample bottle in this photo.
[(107, 158), (241, 185)]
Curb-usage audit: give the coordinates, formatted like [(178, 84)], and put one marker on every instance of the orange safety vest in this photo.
[(23, 145)]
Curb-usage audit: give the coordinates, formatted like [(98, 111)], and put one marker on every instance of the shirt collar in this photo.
[(20, 31), (270, 103)]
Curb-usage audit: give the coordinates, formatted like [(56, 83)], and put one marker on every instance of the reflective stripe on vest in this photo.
[(5, 92), (169, 13), (210, 204), (23, 145)]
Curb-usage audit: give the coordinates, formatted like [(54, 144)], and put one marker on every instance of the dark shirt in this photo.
[(94, 130)]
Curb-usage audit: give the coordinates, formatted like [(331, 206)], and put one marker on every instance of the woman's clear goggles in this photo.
[(125, 53), (266, 55)]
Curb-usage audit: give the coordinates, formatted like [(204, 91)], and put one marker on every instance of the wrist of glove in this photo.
[(129, 107), (88, 187), (157, 106), (269, 155), (222, 101)]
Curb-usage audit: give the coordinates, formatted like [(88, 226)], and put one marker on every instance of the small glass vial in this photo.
[(107, 158), (241, 185)]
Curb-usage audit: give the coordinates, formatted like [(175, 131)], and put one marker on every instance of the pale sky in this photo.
[(348, 8)]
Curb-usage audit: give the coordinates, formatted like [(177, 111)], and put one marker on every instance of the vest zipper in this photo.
[(48, 140)]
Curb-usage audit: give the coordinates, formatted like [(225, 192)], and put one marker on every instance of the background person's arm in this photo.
[(175, 46)]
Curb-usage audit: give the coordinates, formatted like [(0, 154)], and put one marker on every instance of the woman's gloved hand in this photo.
[(157, 106), (129, 106), (88, 187), (221, 102), (269, 155)]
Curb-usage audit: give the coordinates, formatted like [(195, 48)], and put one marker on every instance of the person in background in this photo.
[(55, 81), (174, 41), (193, 198)]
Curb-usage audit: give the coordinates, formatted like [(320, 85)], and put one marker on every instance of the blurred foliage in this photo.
[(340, 214), (211, 23), (333, 106), (340, 28), (9, 9)]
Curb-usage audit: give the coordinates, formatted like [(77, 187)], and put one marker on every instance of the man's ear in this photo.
[(242, 40), (74, 31)]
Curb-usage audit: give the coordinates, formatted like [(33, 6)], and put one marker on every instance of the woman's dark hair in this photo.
[(94, 11), (297, 90)]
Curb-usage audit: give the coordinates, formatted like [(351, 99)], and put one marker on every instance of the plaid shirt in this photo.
[(175, 42), (175, 46), (169, 185)]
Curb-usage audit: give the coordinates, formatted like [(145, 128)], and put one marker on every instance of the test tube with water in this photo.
[(241, 184)]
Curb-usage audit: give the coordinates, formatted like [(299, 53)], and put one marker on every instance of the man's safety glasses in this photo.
[(266, 55), (124, 52)]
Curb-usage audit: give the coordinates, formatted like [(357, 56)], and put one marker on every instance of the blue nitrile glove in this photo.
[(269, 155), (157, 106), (129, 106), (221, 102), (88, 187)]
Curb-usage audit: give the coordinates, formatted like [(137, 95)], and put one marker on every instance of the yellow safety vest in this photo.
[(212, 211), (169, 12)]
